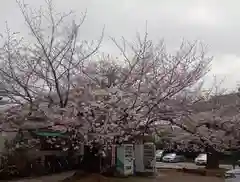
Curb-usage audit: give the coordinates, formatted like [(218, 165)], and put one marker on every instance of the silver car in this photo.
[(159, 155), (232, 175), (201, 159), (173, 157)]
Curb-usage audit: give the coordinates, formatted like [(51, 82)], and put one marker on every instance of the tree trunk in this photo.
[(212, 158), (91, 161)]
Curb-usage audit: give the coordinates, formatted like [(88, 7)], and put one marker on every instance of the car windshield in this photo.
[(171, 155), (202, 156), (234, 171), (159, 152)]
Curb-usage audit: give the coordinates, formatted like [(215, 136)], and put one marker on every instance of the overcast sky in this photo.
[(215, 22)]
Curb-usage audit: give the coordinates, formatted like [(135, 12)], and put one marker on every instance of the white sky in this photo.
[(215, 22)]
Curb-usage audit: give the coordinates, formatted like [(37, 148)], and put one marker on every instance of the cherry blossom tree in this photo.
[(55, 78), (37, 72), (133, 93), (43, 64), (105, 101), (218, 123), (144, 88), (211, 126)]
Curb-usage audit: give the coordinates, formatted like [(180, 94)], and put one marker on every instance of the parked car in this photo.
[(173, 157), (159, 155), (238, 163), (201, 159), (232, 175)]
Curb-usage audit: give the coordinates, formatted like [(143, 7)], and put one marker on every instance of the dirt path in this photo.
[(183, 177), (52, 178), (162, 177)]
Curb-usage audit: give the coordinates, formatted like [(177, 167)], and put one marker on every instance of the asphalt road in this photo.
[(180, 165)]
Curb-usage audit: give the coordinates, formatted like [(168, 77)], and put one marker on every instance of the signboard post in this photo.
[(125, 159), (145, 160)]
